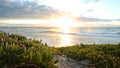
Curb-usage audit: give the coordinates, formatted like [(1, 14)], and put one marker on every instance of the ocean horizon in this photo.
[(60, 37)]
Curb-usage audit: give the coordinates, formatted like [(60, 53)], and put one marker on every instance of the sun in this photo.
[(63, 22)]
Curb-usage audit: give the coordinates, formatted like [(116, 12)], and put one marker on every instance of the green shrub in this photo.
[(94, 53), (17, 50)]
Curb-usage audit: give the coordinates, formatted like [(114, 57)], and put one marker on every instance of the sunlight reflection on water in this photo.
[(66, 36), (65, 39)]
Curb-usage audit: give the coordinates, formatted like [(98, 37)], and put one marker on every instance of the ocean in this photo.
[(60, 37)]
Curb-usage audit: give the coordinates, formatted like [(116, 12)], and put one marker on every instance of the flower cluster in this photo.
[(1, 40), (21, 46)]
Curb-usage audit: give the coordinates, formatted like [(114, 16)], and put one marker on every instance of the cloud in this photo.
[(85, 19), (24, 9), (13, 9), (90, 19), (38, 9), (90, 1), (76, 7)]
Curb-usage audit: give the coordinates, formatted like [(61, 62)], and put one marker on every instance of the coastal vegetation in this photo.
[(98, 55), (16, 51)]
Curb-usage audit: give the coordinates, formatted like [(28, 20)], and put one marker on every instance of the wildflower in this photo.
[(21, 46), (1, 40)]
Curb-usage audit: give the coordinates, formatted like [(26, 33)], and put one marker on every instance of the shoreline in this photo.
[(82, 35), (17, 48)]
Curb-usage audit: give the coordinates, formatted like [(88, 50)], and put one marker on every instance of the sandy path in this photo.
[(64, 62)]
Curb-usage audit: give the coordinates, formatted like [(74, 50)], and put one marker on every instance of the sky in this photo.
[(90, 12)]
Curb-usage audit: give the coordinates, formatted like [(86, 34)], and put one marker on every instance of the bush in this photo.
[(94, 53), (17, 51)]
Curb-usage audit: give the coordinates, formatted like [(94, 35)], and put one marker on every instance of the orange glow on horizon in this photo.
[(63, 22)]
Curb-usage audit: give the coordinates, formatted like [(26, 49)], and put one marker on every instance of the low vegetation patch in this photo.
[(94, 53), (17, 51)]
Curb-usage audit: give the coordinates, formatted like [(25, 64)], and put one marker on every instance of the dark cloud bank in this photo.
[(24, 9)]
